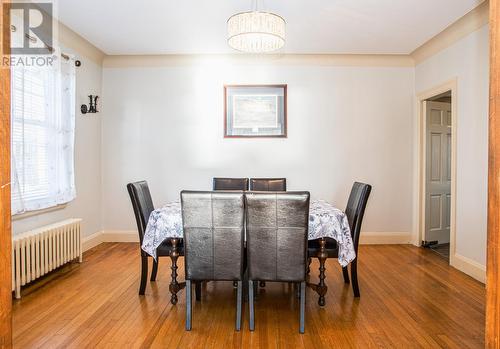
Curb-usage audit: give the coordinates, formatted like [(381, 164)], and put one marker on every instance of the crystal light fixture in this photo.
[(256, 31)]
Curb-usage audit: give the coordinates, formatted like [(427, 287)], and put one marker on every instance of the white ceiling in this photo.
[(313, 26)]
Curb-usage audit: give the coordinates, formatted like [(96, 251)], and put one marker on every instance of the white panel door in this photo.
[(438, 172)]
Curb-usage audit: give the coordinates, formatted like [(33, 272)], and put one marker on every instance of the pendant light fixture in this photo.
[(256, 31)]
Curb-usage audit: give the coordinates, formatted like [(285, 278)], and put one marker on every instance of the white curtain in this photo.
[(43, 135)]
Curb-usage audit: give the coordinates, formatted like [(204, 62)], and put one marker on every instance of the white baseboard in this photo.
[(91, 241), (464, 264), (385, 238), (367, 238), (109, 236), (120, 236), (469, 267)]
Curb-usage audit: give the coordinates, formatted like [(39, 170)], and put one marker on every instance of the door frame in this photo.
[(450, 85), (5, 216), (492, 335)]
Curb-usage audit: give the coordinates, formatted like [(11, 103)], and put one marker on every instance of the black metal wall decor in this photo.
[(92, 108)]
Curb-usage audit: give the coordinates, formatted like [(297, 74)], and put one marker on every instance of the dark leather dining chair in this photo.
[(142, 204), (277, 227), (213, 225), (268, 184), (354, 211), (230, 183)]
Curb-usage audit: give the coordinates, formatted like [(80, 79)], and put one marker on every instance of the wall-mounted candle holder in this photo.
[(92, 108)]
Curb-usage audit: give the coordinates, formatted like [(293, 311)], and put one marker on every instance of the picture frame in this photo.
[(255, 111)]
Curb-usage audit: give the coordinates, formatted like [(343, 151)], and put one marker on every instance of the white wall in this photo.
[(87, 204), (467, 60), (165, 125)]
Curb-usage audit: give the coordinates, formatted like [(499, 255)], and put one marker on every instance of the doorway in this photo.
[(438, 132), (437, 170)]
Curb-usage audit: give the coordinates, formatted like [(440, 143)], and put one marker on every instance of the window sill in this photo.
[(28, 214)]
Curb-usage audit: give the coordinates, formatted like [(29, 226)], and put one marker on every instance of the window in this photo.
[(43, 122)]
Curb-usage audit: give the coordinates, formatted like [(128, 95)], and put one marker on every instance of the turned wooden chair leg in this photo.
[(197, 290), (345, 272), (354, 276), (155, 269), (144, 274)]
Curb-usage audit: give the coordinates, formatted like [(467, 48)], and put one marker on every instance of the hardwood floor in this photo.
[(442, 250), (410, 298)]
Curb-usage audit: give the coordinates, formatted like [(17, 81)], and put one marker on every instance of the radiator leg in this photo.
[(18, 292), (80, 247)]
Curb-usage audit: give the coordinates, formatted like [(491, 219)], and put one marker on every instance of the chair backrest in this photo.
[(142, 204), (230, 184), (213, 225), (277, 227), (355, 209), (268, 184)]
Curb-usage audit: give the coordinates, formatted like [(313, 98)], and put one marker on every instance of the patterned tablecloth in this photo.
[(324, 221)]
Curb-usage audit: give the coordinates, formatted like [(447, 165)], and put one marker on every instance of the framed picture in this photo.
[(255, 111)]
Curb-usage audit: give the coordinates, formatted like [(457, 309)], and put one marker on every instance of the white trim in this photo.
[(23, 215), (470, 267), (82, 46), (367, 238), (91, 241), (459, 29), (462, 263), (452, 86), (99, 237), (361, 60), (120, 236), (385, 238)]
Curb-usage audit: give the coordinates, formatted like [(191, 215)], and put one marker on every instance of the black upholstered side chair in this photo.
[(230, 184), (268, 184), (143, 206), (213, 225), (277, 226), (355, 211)]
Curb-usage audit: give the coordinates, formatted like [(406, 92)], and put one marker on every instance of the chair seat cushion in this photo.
[(331, 248), (166, 246)]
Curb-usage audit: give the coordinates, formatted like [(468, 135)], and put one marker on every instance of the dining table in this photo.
[(325, 221)]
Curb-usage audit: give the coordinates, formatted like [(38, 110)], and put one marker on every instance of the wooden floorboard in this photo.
[(410, 298)]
